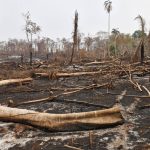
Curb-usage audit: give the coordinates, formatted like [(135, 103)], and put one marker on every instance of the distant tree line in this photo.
[(102, 45)]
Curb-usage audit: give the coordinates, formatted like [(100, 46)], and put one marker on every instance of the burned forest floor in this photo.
[(122, 84)]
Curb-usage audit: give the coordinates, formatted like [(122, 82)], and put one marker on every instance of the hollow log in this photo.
[(15, 81), (62, 122)]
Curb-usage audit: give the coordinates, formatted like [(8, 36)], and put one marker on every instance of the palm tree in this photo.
[(141, 45), (108, 8), (115, 31)]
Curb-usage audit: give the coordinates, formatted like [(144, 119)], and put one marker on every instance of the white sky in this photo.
[(56, 16)]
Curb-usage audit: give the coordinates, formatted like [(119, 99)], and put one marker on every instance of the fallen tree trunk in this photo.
[(121, 72), (54, 75), (62, 122), (100, 63), (15, 81)]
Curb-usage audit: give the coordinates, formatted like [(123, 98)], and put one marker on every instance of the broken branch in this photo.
[(15, 81)]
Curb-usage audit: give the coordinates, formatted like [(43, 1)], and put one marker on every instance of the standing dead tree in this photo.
[(31, 28), (140, 48), (75, 36)]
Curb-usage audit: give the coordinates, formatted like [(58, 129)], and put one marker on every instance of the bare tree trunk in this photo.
[(74, 48), (52, 52), (62, 122), (60, 75), (27, 36), (72, 54), (108, 46), (142, 52), (30, 49), (109, 24), (47, 56), (139, 53), (22, 59), (31, 52)]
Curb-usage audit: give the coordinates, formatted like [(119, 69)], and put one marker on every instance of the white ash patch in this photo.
[(9, 141)]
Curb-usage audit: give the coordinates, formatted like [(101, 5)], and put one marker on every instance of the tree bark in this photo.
[(62, 122), (22, 59), (142, 52), (60, 75), (74, 48), (15, 81), (30, 49)]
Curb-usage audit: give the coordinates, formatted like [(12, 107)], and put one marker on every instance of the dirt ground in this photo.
[(132, 134)]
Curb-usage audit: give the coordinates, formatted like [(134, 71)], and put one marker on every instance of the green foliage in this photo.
[(112, 49), (115, 31), (138, 34)]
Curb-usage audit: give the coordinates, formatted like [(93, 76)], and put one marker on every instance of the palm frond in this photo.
[(108, 6), (142, 23)]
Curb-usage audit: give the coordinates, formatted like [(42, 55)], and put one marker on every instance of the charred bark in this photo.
[(74, 48), (142, 52)]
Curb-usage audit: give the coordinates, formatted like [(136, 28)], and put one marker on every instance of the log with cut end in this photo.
[(63, 122), (15, 81)]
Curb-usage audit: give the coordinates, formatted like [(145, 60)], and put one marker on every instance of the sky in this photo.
[(56, 16)]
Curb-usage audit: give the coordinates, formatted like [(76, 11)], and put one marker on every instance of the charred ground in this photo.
[(133, 133)]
